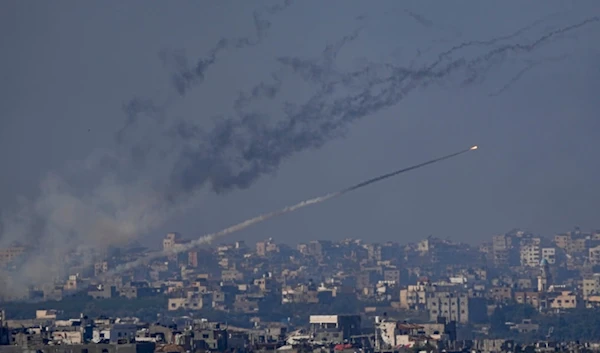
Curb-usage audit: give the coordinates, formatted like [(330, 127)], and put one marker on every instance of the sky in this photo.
[(68, 68)]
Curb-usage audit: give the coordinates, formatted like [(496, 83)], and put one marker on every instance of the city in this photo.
[(130, 128), (516, 291)]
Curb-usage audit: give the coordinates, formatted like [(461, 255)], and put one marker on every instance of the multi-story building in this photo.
[(501, 294), (530, 252), (572, 242), (502, 251), (562, 240), (171, 240), (9, 254), (264, 247), (415, 296), (594, 255), (392, 275), (549, 254), (456, 306), (193, 259), (534, 299), (100, 268), (591, 286)]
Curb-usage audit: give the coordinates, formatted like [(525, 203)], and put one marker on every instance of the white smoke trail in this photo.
[(210, 237), (258, 219)]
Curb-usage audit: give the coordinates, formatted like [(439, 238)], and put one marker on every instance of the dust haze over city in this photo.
[(122, 121)]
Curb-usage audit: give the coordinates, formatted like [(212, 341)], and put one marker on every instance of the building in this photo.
[(594, 255), (549, 254), (502, 251), (415, 296), (334, 328), (114, 333), (46, 314), (565, 300), (530, 252), (193, 259), (390, 335), (591, 286), (9, 254), (302, 293), (501, 294), (264, 247), (572, 242), (392, 275), (171, 240), (531, 298), (459, 307), (192, 301), (100, 268)]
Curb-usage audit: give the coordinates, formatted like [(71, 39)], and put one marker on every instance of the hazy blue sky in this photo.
[(67, 67)]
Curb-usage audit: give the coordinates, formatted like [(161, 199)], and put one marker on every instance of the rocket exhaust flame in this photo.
[(258, 219)]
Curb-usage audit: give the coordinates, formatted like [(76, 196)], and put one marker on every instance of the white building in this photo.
[(531, 253), (115, 332)]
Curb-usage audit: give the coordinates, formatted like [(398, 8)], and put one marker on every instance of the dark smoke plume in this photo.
[(241, 149), (530, 65), (162, 164), (187, 75)]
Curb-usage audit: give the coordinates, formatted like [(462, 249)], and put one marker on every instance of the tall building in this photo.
[(459, 307), (503, 251), (193, 259), (531, 252)]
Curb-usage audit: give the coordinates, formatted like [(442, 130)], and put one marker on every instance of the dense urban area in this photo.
[(515, 292)]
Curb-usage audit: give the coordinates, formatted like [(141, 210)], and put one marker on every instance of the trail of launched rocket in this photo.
[(258, 219)]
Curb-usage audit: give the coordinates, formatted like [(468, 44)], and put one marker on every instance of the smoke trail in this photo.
[(115, 197), (264, 217), (530, 66), (186, 76), (340, 98)]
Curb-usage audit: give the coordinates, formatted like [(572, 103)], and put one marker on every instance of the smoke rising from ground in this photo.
[(161, 163)]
